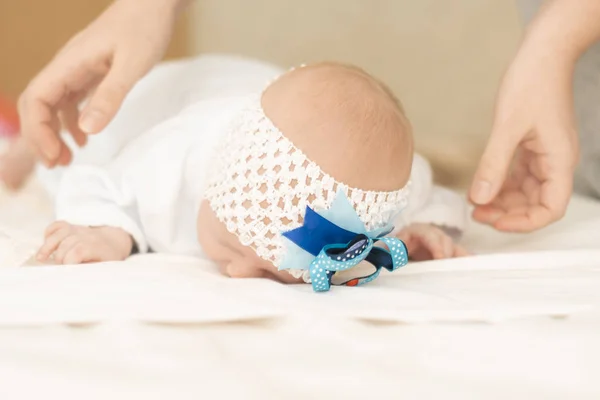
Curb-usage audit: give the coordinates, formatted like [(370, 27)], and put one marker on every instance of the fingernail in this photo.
[(91, 121), (480, 194)]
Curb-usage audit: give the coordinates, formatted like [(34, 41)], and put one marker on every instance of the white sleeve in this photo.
[(108, 195), (141, 190), (432, 204), (91, 195)]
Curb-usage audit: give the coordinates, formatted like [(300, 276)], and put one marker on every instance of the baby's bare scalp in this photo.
[(345, 120)]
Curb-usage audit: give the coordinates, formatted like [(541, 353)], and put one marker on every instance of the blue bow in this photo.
[(334, 249), (335, 258)]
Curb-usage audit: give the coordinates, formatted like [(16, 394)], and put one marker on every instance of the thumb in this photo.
[(108, 97), (494, 164)]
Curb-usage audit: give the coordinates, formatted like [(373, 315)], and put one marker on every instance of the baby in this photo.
[(260, 180)]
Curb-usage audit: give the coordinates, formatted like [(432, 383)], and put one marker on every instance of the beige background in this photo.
[(31, 31), (442, 58)]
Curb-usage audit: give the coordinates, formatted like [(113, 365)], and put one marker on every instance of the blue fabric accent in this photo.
[(343, 214), (336, 258), (294, 256), (397, 250), (317, 232), (377, 233), (336, 240)]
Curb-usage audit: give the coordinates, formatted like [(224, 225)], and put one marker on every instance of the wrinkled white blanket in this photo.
[(519, 320)]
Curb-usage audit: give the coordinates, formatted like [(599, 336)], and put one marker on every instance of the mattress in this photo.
[(518, 319)]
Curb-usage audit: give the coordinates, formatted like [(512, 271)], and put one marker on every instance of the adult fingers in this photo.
[(495, 163), (46, 95), (39, 122), (555, 188), (70, 120), (555, 197), (109, 95), (487, 214)]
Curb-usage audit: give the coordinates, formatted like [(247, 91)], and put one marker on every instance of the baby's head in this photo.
[(315, 132)]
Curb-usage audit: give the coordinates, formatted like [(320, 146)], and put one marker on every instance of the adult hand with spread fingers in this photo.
[(525, 178), (98, 67)]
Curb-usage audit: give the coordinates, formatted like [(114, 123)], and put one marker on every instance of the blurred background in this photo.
[(442, 58)]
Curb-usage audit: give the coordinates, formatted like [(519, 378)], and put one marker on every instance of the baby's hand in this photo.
[(427, 242), (72, 244)]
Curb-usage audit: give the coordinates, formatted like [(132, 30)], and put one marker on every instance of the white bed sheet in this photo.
[(520, 323)]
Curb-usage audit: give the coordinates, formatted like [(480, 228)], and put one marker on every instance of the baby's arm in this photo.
[(98, 206), (95, 210), (115, 208), (434, 219)]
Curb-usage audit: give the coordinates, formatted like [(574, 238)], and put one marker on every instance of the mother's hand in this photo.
[(525, 177), (100, 64)]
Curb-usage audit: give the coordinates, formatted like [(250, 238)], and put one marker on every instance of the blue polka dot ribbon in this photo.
[(335, 258), (336, 240)]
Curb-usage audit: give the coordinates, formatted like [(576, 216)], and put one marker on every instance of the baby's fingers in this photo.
[(440, 246), (51, 243), (433, 243), (460, 251), (79, 253), (55, 227), (411, 242), (64, 248)]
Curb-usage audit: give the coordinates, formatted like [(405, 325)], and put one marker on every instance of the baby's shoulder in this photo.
[(197, 120), (206, 113), (198, 124), (421, 169)]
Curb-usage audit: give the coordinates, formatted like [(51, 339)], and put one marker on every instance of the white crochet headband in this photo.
[(262, 184)]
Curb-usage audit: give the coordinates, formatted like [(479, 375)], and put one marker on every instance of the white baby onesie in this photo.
[(152, 189)]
